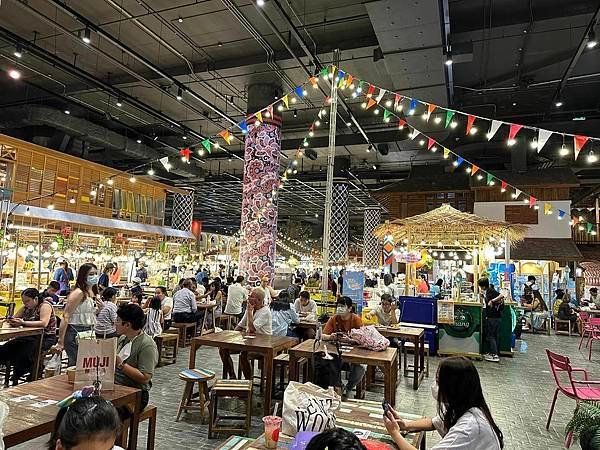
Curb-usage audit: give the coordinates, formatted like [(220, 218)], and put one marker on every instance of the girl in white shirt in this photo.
[(464, 420)]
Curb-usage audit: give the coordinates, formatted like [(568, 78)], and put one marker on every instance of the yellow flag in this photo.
[(547, 208), (286, 101), (446, 153), (259, 116)]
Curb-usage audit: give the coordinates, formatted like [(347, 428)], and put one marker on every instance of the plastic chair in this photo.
[(587, 327), (592, 323), (578, 390)]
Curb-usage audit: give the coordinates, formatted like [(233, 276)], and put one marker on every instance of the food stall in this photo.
[(446, 233)]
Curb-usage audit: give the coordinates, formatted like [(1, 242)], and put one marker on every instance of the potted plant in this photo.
[(585, 425)]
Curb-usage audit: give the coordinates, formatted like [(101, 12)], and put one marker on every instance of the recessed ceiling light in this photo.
[(180, 20)]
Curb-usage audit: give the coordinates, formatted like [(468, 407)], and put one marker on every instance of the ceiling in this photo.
[(512, 59)]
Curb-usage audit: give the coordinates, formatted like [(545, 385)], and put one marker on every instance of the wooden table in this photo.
[(352, 415), (11, 333), (417, 337), (268, 346), (386, 360), (25, 422), (207, 308)]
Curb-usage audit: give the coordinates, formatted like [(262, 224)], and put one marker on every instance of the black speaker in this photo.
[(311, 154), (341, 165), (383, 149)]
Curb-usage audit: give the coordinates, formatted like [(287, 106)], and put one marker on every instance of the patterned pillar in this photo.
[(338, 241), (371, 246), (183, 211), (388, 250), (261, 175)]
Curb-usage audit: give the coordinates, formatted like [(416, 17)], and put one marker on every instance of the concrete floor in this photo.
[(518, 391)]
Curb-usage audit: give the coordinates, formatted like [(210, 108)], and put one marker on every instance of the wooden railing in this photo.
[(583, 237)]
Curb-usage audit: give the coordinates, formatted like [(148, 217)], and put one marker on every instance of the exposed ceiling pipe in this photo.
[(117, 43), (173, 50)]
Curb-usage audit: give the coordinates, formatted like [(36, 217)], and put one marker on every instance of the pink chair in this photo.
[(594, 337), (593, 323), (587, 328), (578, 390)]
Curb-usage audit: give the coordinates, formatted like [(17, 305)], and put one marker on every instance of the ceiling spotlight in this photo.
[(110, 181), (14, 74), (67, 112), (376, 111), (179, 94), (295, 113), (18, 50), (280, 108), (86, 36), (260, 2), (558, 103), (592, 157), (348, 124), (151, 171), (374, 167), (201, 152), (184, 138), (317, 123), (180, 20), (316, 216), (422, 142), (448, 61), (592, 42)]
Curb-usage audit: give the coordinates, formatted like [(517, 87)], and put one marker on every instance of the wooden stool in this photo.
[(167, 348), (192, 376), (181, 330), (407, 366), (282, 363), (149, 413), (240, 389), (562, 323)]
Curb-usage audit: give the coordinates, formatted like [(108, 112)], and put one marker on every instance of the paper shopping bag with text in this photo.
[(96, 361)]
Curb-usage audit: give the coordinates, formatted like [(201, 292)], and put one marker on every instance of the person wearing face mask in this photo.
[(80, 312), (337, 328), (464, 420)]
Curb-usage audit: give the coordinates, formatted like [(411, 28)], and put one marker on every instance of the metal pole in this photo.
[(39, 278), (329, 191)]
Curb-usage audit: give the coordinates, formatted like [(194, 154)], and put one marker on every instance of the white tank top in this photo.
[(85, 313)]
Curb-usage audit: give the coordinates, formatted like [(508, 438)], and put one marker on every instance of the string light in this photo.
[(151, 171), (511, 142), (473, 130), (453, 124), (437, 120), (592, 157), (132, 179), (564, 151)]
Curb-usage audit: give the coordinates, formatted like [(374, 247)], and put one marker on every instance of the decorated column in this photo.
[(183, 211), (371, 246), (258, 229), (338, 241)]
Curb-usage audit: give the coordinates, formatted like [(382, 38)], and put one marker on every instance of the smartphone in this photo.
[(386, 407)]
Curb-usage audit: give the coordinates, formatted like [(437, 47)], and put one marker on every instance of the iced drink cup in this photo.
[(272, 427)]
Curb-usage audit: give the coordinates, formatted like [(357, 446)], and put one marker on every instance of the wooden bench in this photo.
[(167, 348), (181, 329)]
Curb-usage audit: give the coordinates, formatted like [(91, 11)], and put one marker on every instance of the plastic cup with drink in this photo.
[(272, 428)]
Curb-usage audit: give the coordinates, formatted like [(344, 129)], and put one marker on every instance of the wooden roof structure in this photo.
[(450, 227)]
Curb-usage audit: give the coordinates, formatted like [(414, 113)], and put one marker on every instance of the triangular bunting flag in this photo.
[(547, 208), (298, 91), (474, 169), (561, 213), (370, 103), (401, 123), (503, 185), (449, 116), (341, 74), (324, 72), (532, 201), (413, 105), (270, 110), (206, 144), (493, 129), (430, 143), (380, 95), (589, 227), (165, 162), (360, 86), (514, 129), (258, 116), (517, 193), (446, 153), (575, 220), (470, 120), (430, 109), (490, 179), (414, 134), (542, 138), (349, 79), (286, 101), (579, 142), (386, 114), (342, 82), (459, 161), (313, 81), (397, 99), (244, 126), (226, 135), (371, 91), (185, 152)]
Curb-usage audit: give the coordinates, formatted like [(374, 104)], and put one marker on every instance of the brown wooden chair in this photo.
[(181, 329), (562, 327), (188, 400), (150, 414), (409, 346), (240, 389)]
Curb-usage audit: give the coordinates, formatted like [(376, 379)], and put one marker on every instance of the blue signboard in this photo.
[(354, 284)]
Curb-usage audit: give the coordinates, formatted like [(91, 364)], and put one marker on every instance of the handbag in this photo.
[(327, 368), (308, 407), (368, 337), (96, 362)]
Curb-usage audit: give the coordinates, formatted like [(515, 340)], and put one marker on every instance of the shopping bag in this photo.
[(3, 416), (96, 361), (307, 407), (55, 364), (368, 337)]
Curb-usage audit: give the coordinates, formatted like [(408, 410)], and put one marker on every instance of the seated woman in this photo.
[(538, 309), (566, 312), (105, 325), (90, 423), (464, 419), (22, 351), (283, 315)]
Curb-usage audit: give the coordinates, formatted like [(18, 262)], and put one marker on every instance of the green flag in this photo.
[(324, 72), (449, 116), (589, 227), (490, 178), (206, 144), (386, 114)]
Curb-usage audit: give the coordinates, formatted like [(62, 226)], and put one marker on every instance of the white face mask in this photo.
[(92, 280), (434, 391), (341, 310)]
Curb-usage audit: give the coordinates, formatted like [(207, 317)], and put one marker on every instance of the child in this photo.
[(154, 318)]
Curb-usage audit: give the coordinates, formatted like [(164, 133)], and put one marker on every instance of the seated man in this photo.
[(135, 370), (594, 298), (52, 291), (337, 328), (385, 314), (257, 320), (306, 308)]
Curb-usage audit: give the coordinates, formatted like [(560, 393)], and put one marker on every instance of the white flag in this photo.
[(543, 136), (495, 125), (517, 193), (381, 94), (165, 162)]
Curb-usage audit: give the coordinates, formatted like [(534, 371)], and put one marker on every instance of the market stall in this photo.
[(470, 242)]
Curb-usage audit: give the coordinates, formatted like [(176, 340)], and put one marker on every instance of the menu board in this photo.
[(445, 311)]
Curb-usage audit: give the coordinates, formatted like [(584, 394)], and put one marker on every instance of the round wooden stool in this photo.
[(189, 400)]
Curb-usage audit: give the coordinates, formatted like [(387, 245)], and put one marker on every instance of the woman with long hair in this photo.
[(464, 419), (79, 315)]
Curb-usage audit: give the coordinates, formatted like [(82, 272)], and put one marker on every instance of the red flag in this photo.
[(401, 123), (579, 142), (474, 169), (430, 143), (397, 99), (185, 153), (470, 120), (532, 201), (514, 129), (371, 90), (503, 186)]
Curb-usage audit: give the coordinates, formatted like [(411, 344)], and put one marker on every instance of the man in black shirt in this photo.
[(494, 304)]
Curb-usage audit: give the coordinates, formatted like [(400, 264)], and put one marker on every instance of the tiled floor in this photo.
[(518, 390)]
